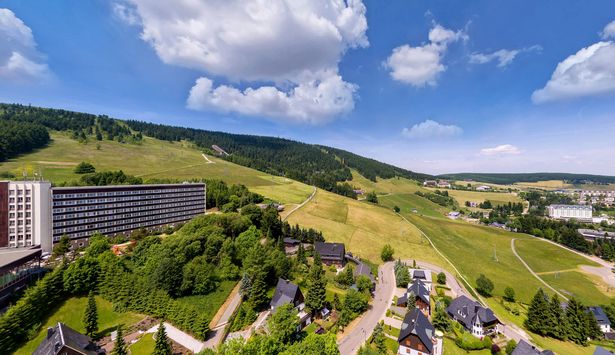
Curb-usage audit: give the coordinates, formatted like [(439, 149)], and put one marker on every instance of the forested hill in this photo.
[(506, 178), (325, 167)]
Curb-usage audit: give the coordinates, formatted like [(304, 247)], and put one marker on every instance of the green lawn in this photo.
[(581, 286), (409, 202), (450, 348), (71, 312), (364, 228), (145, 345), (479, 196), (543, 256), (210, 303)]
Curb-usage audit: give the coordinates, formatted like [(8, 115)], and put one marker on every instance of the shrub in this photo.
[(387, 253), (84, 168), (441, 278), (509, 294), (484, 286)]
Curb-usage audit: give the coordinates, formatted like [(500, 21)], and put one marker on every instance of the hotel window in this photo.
[(28, 199), (20, 215), (12, 215), (27, 192), (19, 192), (11, 192), (11, 199), (28, 214), (28, 207)]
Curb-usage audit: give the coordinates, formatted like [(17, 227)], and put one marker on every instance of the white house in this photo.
[(601, 319)]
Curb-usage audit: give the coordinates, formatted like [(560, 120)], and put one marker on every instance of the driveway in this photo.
[(383, 296), (184, 339), (451, 280)]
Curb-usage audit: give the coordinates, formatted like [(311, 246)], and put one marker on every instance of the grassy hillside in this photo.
[(152, 158), (496, 198)]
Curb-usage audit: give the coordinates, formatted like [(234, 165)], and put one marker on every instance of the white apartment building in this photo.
[(578, 212), (25, 214)]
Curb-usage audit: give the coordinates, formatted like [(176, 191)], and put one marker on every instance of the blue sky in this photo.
[(432, 86)]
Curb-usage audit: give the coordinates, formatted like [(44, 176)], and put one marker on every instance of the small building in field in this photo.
[(417, 335), (478, 320), (420, 293), (525, 348), (601, 318), (483, 188), (331, 253), (287, 292), (62, 339), (430, 183)]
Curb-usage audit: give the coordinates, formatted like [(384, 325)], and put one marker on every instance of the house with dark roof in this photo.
[(602, 351), (420, 293), (331, 253), (601, 318), (62, 339), (478, 320), (525, 348), (417, 336), (421, 274), (287, 292), (363, 269)]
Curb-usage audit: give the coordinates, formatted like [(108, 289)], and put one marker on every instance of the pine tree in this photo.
[(301, 259), (556, 320), (379, 338), (162, 346), (411, 301), (90, 317), (537, 313), (315, 298), (440, 320), (577, 322), (245, 285), (120, 345), (258, 291)]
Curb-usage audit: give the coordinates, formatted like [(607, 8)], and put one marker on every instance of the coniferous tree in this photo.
[(555, 321), (90, 317), (537, 313), (162, 345), (120, 345), (440, 320), (411, 301), (577, 322), (301, 259), (315, 298), (379, 338), (258, 291), (593, 329)]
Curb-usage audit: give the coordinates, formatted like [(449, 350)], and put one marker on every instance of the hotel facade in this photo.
[(34, 213), (579, 212)]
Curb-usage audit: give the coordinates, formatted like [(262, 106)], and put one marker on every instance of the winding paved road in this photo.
[(383, 296)]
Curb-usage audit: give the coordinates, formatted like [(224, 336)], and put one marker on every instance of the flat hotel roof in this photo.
[(12, 257)]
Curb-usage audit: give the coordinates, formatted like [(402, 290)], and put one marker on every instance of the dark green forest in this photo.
[(506, 178)]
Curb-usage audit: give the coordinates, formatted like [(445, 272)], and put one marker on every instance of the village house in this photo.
[(478, 320), (525, 348), (601, 319), (423, 275), (62, 339), (417, 335), (420, 293), (287, 292), (331, 253), (483, 188)]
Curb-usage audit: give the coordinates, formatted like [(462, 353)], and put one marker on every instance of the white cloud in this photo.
[(421, 65), (591, 71), (504, 149), (285, 45), (609, 31), (310, 102), (126, 13), (19, 59), (503, 56), (431, 129)]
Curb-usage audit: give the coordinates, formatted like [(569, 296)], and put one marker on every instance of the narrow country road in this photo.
[(383, 296), (512, 246), (217, 331), (302, 204)]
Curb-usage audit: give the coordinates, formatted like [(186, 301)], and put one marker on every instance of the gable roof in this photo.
[(285, 292), (363, 269), (418, 274), (524, 348), (291, 241), (330, 251), (62, 335), (416, 323), (467, 311), (419, 289), (601, 317)]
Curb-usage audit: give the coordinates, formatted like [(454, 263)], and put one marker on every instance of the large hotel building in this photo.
[(34, 213)]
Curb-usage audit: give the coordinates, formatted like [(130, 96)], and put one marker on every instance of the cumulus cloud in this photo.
[(310, 102), (504, 149), (590, 71), (431, 129), (609, 31), (286, 46), (126, 13), (420, 66), (503, 56), (19, 59)]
